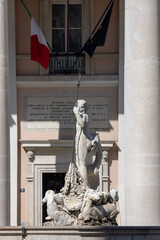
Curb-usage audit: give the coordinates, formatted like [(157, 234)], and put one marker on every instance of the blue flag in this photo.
[(99, 37)]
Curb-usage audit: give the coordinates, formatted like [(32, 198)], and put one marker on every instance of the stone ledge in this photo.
[(78, 233), (30, 144), (67, 81), (138, 230)]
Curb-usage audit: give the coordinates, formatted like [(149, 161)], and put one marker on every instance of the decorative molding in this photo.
[(67, 81), (30, 178), (105, 179), (95, 56), (29, 145), (30, 156), (105, 156)]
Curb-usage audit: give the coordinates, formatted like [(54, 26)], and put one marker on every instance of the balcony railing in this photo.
[(60, 64)]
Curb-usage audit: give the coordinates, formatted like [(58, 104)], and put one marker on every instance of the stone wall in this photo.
[(78, 233)]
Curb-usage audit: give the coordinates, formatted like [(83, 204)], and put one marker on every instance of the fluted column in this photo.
[(142, 112), (4, 118)]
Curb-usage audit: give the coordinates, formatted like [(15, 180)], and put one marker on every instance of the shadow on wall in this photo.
[(12, 121)]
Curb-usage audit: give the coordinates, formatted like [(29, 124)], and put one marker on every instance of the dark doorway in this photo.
[(51, 181)]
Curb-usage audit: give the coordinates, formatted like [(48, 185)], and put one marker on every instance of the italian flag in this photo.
[(39, 48)]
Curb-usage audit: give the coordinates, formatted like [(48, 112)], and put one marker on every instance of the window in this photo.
[(66, 27), (54, 16)]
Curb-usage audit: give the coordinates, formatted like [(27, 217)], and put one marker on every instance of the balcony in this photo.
[(61, 64)]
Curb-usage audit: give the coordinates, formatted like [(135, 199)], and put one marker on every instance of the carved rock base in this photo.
[(81, 205)]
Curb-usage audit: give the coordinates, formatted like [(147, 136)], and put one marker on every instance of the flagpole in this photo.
[(78, 86), (67, 32), (101, 18), (26, 8)]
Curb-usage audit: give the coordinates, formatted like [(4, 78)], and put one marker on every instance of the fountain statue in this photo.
[(77, 203), (85, 141)]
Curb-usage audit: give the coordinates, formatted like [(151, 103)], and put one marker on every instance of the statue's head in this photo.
[(82, 105)]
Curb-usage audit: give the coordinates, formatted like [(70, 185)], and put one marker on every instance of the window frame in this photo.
[(87, 26), (64, 2)]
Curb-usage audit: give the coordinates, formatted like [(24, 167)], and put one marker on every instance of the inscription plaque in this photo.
[(57, 112)]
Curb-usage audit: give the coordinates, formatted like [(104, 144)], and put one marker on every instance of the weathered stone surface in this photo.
[(77, 204)]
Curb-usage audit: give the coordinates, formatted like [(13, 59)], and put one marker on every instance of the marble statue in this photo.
[(58, 215), (77, 203), (51, 205), (73, 190), (85, 141), (97, 206)]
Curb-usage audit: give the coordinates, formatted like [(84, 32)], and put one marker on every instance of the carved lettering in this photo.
[(57, 112)]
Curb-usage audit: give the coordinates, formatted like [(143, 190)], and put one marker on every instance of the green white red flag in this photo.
[(39, 48)]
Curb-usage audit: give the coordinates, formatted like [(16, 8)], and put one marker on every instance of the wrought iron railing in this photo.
[(60, 64)]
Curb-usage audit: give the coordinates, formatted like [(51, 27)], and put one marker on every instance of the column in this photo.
[(121, 118), (142, 112), (13, 113), (4, 118)]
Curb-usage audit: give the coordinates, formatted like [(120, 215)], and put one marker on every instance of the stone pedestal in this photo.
[(142, 112), (4, 118)]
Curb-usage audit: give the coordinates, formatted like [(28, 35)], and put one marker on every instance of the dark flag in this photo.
[(99, 37)]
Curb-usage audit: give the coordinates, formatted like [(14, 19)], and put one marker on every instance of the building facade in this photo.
[(120, 83)]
